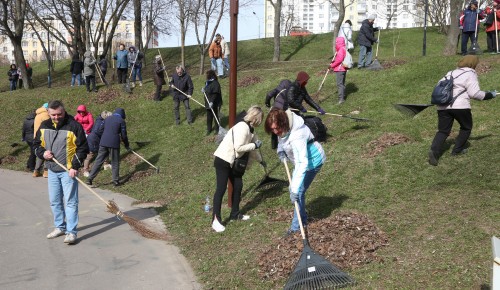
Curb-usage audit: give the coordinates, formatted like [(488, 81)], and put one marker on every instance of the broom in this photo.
[(313, 271), (411, 110), (139, 226), (269, 183)]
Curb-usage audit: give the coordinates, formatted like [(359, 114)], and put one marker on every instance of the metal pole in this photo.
[(258, 21), (424, 48), (233, 8)]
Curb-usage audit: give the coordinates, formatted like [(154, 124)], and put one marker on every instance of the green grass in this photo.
[(439, 220)]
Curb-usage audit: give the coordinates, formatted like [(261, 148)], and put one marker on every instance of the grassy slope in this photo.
[(439, 219)]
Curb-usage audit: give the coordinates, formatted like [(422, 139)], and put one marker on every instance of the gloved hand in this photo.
[(203, 90), (268, 103), (172, 86), (128, 149), (321, 111), (210, 105), (263, 163), (494, 93), (189, 96), (379, 27), (282, 156), (258, 143), (164, 68), (303, 110), (460, 27), (294, 197)]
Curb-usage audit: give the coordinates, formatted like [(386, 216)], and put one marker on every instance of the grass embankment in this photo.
[(439, 220)]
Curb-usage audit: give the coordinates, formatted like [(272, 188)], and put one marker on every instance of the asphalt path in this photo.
[(108, 254)]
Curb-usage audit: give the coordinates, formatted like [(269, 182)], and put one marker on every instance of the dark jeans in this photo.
[(158, 93), (211, 119), (491, 40), (465, 39), (102, 155), (223, 173), (176, 111), (122, 75), (88, 81), (445, 123), (32, 159), (340, 76)]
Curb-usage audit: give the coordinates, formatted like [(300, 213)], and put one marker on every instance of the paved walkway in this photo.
[(107, 255)]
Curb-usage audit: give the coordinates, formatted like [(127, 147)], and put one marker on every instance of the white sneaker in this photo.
[(216, 225), (86, 173), (140, 84), (107, 166), (55, 233), (70, 239), (245, 217)]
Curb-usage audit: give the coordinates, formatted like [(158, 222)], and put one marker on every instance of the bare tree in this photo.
[(158, 18), (13, 14), (204, 13), (184, 15), (277, 5)]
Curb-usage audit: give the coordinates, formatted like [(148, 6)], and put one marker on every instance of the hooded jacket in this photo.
[(215, 50), (213, 93), (298, 93), (159, 72), (113, 130), (183, 83), (66, 140), (366, 35), (28, 125), (41, 115), (469, 19), (94, 138), (89, 64), (279, 95), (340, 54), (87, 120), (496, 19), (299, 147)]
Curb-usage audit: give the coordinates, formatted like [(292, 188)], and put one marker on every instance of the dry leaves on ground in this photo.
[(248, 81), (348, 240), (107, 95), (388, 64), (8, 160), (385, 141)]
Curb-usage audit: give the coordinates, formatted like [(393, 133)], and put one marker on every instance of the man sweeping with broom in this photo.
[(63, 139)]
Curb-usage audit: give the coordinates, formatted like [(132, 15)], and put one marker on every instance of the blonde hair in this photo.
[(105, 114), (254, 116)]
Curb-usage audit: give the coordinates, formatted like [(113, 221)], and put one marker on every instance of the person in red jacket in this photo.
[(338, 68), (85, 118), (492, 29)]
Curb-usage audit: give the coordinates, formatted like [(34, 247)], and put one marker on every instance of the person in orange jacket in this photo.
[(492, 29)]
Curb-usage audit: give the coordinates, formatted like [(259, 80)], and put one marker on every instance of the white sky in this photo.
[(248, 27)]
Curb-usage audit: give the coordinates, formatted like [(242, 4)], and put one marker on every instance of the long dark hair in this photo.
[(211, 74), (278, 117)]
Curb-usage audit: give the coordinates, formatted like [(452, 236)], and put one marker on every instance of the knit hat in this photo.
[(46, 105), (302, 77), (473, 2), (372, 17), (468, 61)]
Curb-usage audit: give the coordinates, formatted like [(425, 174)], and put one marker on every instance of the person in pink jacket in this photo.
[(465, 88), (85, 118), (338, 68)]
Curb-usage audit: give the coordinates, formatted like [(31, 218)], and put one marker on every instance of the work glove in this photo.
[(268, 103), (258, 143), (294, 197), (203, 90), (460, 27), (282, 156), (321, 111), (210, 105), (263, 163), (189, 96), (494, 93), (303, 110), (128, 149), (379, 27)]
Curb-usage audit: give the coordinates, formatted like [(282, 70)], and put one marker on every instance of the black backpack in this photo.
[(443, 92), (317, 127)]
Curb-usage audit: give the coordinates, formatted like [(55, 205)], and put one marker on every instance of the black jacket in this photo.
[(114, 129), (366, 35), (94, 138), (213, 93), (296, 94), (28, 128), (183, 83), (76, 66), (279, 95), (67, 142)]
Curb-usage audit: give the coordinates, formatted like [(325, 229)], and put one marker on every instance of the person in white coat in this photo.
[(346, 32), (296, 143)]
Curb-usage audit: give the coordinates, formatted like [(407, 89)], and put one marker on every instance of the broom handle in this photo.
[(496, 27), (297, 209), (378, 41), (326, 74), (163, 64), (83, 183), (142, 158), (215, 117), (331, 114), (265, 168), (188, 96)]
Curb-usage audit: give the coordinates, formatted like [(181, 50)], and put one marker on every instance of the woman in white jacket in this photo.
[(296, 143), (465, 88), (239, 140), (345, 31)]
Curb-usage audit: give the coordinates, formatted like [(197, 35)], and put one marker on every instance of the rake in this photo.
[(269, 183), (375, 65), (324, 78), (313, 271), (163, 64), (411, 109), (338, 115), (222, 132), (144, 159), (142, 228)]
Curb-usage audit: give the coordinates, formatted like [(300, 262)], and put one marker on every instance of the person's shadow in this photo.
[(323, 206)]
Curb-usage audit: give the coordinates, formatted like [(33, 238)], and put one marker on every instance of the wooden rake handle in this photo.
[(163, 64), (189, 97), (297, 209), (215, 117), (144, 159), (83, 183)]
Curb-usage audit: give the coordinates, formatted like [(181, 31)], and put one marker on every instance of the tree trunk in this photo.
[(453, 31), (277, 28)]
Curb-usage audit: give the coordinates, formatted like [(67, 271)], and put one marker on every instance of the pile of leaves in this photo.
[(388, 64), (9, 159), (483, 68), (132, 159), (248, 81), (138, 175), (385, 141), (348, 240), (106, 95)]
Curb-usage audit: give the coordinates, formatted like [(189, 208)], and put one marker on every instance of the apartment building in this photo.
[(319, 16), (33, 50)]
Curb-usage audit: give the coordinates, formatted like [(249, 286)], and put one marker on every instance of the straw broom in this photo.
[(139, 226)]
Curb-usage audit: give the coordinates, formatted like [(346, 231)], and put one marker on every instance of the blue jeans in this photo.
[(365, 56), (13, 85), (302, 199), (220, 69), (73, 77), (226, 65), (136, 71), (213, 64), (64, 190)]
